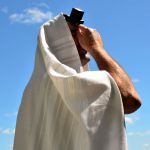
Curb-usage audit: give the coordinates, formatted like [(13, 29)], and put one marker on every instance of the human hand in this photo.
[(84, 57), (89, 39)]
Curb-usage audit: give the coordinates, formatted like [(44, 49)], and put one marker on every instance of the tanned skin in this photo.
[(89, 40)]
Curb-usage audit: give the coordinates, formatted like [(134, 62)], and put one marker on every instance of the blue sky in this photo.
[(125, 30)]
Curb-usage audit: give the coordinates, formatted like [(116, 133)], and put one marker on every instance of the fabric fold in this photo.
[(64, 107)]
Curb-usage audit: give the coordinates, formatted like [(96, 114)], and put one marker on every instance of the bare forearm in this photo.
[(91, 41), (130, 97)]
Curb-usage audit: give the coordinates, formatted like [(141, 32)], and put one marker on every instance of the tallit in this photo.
[(63, 107)]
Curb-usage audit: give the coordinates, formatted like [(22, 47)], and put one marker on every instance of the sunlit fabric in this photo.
[(64, 107)]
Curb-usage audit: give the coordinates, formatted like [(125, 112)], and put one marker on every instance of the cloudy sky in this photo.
[(125, 30)]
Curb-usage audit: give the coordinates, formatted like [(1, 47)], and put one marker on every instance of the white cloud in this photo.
[(135, 80), (13, 131), (4, 10), (131, 120), (146, 145), (43, 5), (11, 145), (7, 131), (31, 16), (10, 114), (141, 133)]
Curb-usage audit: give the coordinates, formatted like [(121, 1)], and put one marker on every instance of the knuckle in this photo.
[(91, 30)]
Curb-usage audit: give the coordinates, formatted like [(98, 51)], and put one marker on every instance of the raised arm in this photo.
[(90, 40)]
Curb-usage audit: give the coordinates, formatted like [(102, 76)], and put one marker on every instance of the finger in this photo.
[(84, 59), (82, 27), (85, 30), (82, 32), (79, 32)]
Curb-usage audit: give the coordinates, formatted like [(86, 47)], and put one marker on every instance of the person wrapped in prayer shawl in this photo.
[(64, 105)]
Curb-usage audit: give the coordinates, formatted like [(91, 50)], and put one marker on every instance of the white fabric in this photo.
[(64, 108)]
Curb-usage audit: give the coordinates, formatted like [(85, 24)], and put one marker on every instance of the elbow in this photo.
[(131, 103)]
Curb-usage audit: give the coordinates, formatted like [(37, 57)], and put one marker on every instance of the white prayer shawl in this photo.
[(63, 107)]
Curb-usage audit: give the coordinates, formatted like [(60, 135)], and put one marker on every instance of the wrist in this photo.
[(96, 51)]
